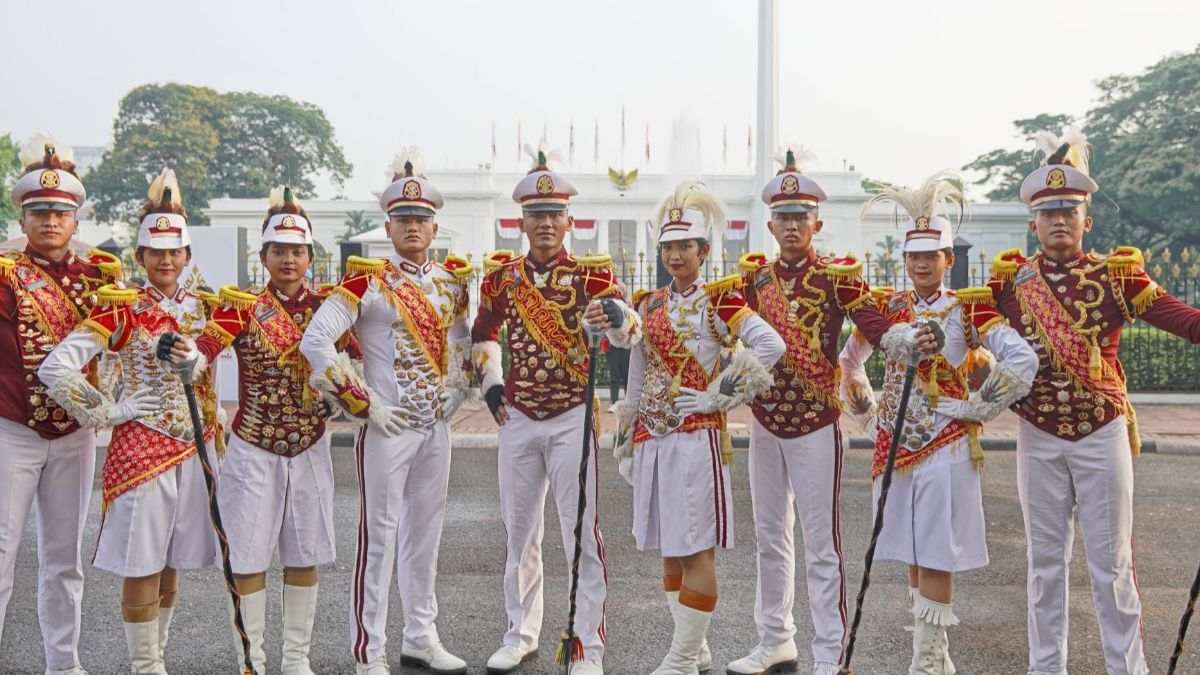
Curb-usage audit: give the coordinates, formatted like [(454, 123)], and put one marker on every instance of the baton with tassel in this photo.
[(163, 352), (910, 375), (571, 649)]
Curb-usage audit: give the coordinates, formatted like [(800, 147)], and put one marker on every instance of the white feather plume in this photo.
[(165, 180), (805, 158), (691, 194), (1048, 143), (554, 158), (34, 150), (409, 154), (940, 192), (275, 199)]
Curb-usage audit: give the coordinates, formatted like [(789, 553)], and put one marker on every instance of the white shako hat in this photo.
[(1063, 181), (790, 191), (690, 212), (410, 193), (287, 222), (49, 181), (926, 229), (543, 189), (164, 222)]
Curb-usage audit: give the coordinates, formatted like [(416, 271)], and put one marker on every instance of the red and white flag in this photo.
[(647, 142), (749, 149), (508, 228), (571, 145), (493, 140), (585, 230), (737, 230)]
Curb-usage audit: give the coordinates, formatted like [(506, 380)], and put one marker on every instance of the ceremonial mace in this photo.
[(163, 352), (910, 374), (1183, 624), (571, 648)]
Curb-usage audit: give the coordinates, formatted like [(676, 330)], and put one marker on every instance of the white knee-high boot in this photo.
[(931, 655), (691, 627), (145, 658), (704, 659), (254, 619), (299, 608)]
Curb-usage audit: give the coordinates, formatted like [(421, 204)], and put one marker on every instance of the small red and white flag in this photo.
[(508, 228), (647, 142), (737, 230), (585, 230), (571, 145), (749, 148), (493, 140)]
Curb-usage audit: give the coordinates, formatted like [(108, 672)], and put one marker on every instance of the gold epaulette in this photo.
[(595, 261), (7, 268), (975, 295), (109, 264), (357, 265), (459, 266), (640, 295), (723, 285), (1005, 264), (1124, 258), (845, 268), (237, 299), (752, 261), (111, 296), (882, 292), (498, 259)]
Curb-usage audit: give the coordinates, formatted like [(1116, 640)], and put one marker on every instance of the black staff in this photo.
[(1183, 624), (910, 375), (163, 351)]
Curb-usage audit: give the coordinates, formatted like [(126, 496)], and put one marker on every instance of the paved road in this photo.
[(991, 602)]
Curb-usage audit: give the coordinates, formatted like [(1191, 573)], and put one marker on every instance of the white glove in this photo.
[(395, 421), (694, 401), (451, 400), (1002, 389), (625, 468), (132, 406)]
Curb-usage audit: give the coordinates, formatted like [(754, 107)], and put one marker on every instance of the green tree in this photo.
[(237, 144), (10, 171), (1003, 170), (356, 223)]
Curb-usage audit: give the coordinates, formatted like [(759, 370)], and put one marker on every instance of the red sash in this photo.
[(419, 315), (57, 316), (817, 374), (668, 348), (547, 328)]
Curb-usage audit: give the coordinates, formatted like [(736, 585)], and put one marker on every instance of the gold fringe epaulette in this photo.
[(639, 295), (357, 265), (8, 268), (108, 263), (111, 296), (459, 266), (845, 268), (237, 298), (498, 259), (1124, 259), (1005, 264), (882, 292), (975, 295), (210, 299), (595, 261), (752, 261), (723, 285)]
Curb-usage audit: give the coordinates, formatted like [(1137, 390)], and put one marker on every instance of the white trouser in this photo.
[(164, 522), (57, 474), (402, 483), (804, 475), (269, 501), (1094, 476), (535, 455)]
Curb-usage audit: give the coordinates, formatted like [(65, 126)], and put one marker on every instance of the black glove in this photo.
[(613, 311), (493, 398), (166, 342), (938, 334)]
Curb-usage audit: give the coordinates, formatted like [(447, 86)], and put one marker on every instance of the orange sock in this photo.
[(697, 600), (672, 582)]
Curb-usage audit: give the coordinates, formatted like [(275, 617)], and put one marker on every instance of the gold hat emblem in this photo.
[(162, 223), (676, 215), (412, 190), (923, 222), (50, 179), (545, 184), (790, 185), (288, 221), (1056, 179)]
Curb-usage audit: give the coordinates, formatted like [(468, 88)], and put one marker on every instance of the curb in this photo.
[(345, 439)]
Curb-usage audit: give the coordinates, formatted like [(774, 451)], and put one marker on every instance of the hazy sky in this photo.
[(898, 89)]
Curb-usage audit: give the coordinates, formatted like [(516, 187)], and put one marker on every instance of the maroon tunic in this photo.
[(41, 301), (1100, 294), (821, 292)]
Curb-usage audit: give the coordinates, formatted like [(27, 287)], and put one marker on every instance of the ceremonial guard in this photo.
[(795, 437), (674, 449), (156, 516), (933, 520), (276, 482), (409, 313), (1078, 434), (544, 299), (47, 458)]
